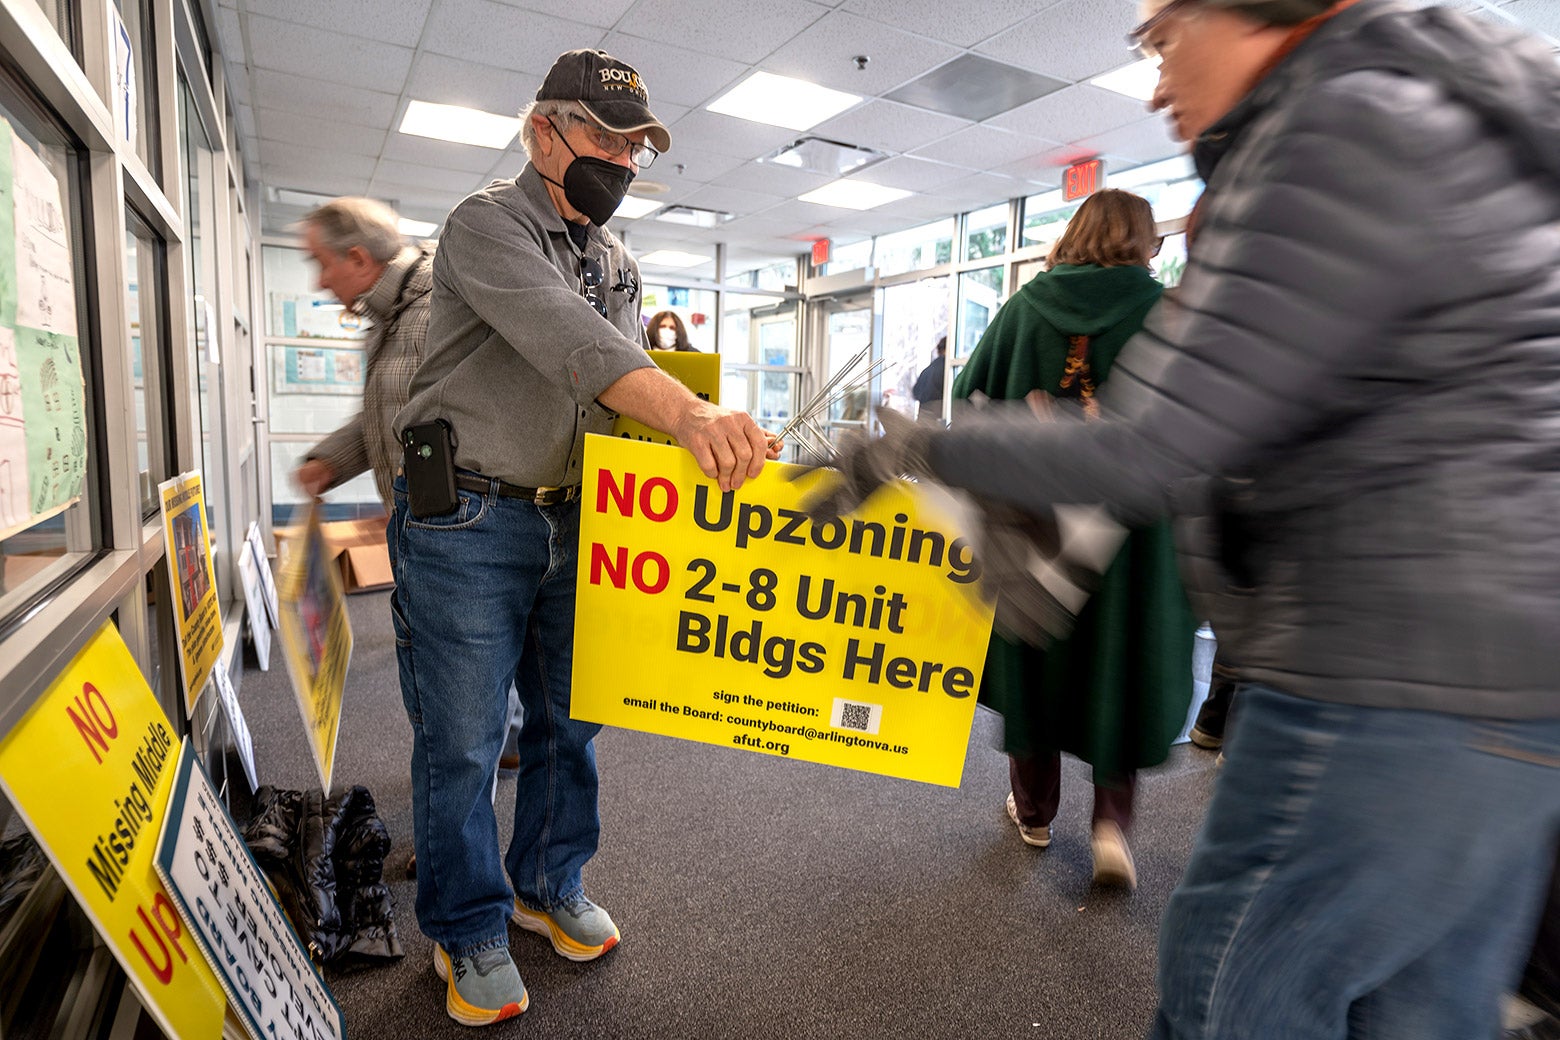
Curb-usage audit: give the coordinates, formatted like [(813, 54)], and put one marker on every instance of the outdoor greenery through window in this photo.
[(916, 248), (986, 232)]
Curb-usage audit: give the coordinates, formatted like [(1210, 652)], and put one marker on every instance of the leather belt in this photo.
[(545, 496)]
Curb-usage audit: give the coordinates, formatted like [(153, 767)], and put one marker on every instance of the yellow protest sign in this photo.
[(735, 620), (198, 620), (89, 768), (316, 638), (697, 371)]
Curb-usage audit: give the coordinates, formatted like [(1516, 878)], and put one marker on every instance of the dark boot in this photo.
[(1213, 716)]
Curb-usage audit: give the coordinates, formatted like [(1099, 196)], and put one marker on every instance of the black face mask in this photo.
[(593, 186)]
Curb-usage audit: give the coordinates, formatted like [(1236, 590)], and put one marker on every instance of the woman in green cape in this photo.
[(1115, 692)]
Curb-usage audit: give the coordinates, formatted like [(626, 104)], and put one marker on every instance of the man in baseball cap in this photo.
[(534, 341)]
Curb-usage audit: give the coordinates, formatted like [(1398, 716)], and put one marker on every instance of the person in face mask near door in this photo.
[(534, 340), (667, 332)]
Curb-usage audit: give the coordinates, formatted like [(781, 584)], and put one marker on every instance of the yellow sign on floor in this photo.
[(89, 768), (735, 620), (197, 618), (697, 371)]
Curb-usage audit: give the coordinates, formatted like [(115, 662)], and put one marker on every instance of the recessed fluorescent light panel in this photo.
[(849, 194), (1137, 80), (459, 124), (672, 258), (632, 207), (416, 228), (782, 101)]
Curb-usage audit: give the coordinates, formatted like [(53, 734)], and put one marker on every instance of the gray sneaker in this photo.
[(481, 989), (579, 929), (1039, 837)]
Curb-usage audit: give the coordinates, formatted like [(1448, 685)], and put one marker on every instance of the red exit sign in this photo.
[(820, 252), (1081, 180)]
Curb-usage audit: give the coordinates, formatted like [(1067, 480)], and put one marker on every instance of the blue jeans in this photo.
[(1362, 873), (484, 598)]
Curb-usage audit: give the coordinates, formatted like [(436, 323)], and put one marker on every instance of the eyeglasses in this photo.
[(614, 145), (1137, 39), (591, 276)]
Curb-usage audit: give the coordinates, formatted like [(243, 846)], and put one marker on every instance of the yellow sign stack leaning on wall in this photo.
[(198, 620), (734, 619), (89, 769)]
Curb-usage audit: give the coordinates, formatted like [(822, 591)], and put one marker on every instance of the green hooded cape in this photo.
[(1115, 693)]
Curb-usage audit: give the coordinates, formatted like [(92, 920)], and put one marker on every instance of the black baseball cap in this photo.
[(610, 90)]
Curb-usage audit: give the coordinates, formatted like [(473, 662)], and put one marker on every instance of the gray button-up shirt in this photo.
[(515, 354)]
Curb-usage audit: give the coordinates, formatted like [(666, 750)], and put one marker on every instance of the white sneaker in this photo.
[(1112, 858), (1039, 837)]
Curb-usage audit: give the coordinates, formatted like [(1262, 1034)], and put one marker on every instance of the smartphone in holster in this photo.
[(428, 457)]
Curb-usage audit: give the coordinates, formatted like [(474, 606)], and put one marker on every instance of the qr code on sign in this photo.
[(863, 718)]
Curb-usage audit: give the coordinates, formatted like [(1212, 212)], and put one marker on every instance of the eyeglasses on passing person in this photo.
[(1138, 39), (592, 277)]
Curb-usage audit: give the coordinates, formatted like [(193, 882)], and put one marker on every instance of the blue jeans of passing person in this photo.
[(484, 597), (1362, 873)]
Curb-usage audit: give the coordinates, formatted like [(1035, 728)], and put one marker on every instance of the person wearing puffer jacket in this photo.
[(1356, 395)]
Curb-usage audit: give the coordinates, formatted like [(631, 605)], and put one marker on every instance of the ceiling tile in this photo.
[(399, 23), (825, 50), (889, 126), (1068, 115), (425, 151), (974, 20), (429, 178), (455, 81), (784, 181), (418, 203), (874, 221), (984, 148), (728, 135), (601, 13), (672, 73), (731, 200), (1074, 39), (323, 134), (1038, 172), (982, 189), (291, 93), (919, 209), (505, 37), (975, 87), (246, 127), (745, 30), (350, 60), (230, 34), (698, 165), (911, 174), (303, 157), (1147, 140), (1542, 16), (237, 79)]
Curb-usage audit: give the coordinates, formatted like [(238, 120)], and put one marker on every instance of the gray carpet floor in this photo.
[(765, 897)]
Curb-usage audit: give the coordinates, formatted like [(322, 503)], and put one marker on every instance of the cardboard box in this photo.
[(359, 549)]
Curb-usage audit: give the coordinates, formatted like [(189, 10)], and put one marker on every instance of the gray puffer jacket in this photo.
[(1363, 361)]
